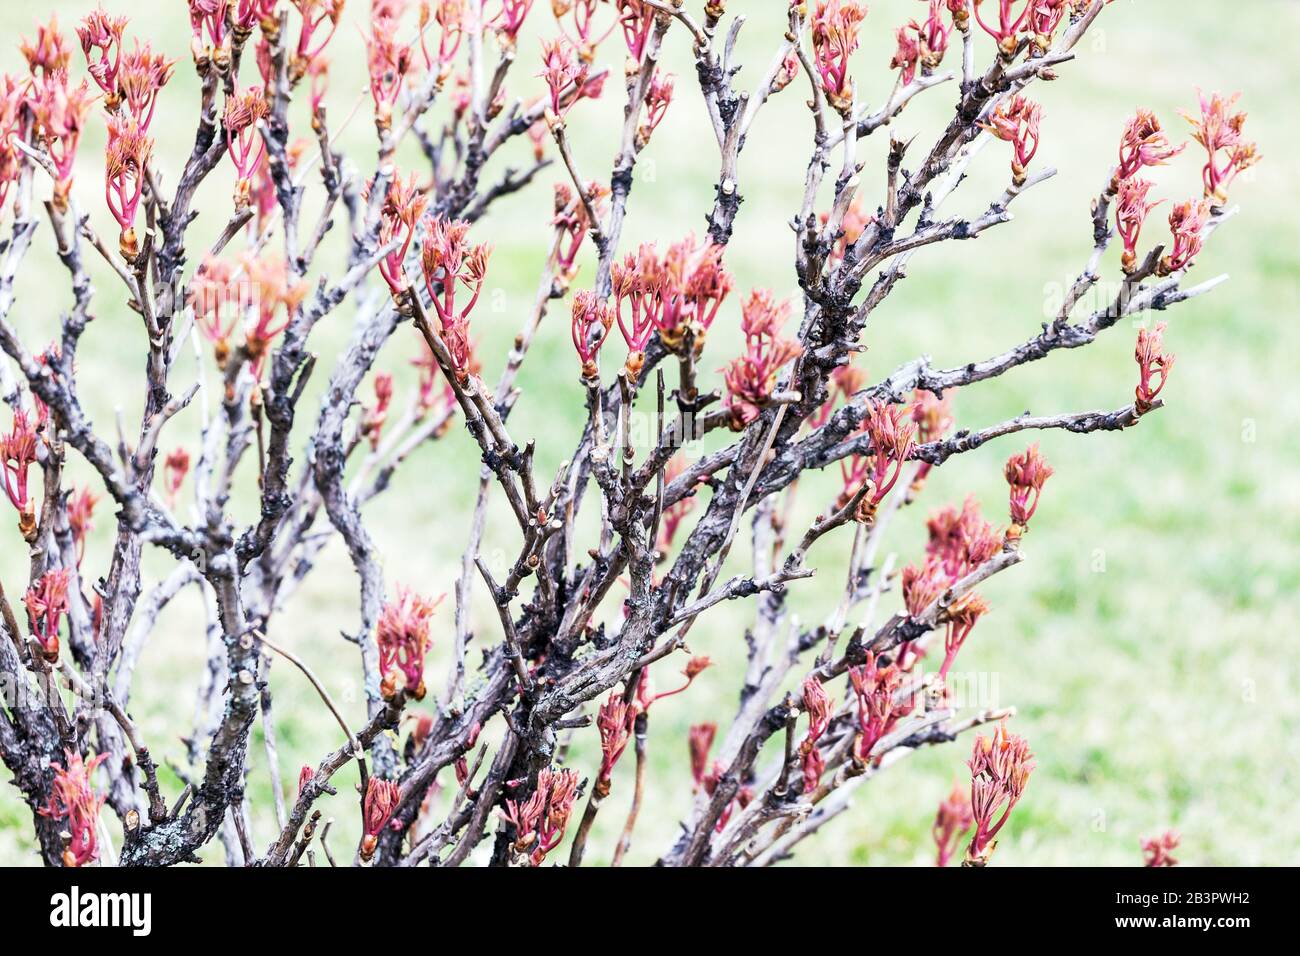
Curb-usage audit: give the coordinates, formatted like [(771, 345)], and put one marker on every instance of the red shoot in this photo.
[(592, 320), (999, 768), (1144, 144), (81, 511), (73, 800), (376, 810), (1219, 133), (1016, 121), (124, 163), (1158, 851), (244, 112), (953, 819), (751, 378), (1152, 360), (103, 33), (1131, 210), (403, 206), (47, 602), (1187, 224), (875, 689), (1026, 474), (892, 435), (175, 467), (835, 25), (403, 638), (818, 705), (450, 263)]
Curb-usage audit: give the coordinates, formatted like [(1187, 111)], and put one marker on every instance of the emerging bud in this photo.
[(47, 602), (81, 511), (142, 76), (785, 75), (700, 740), (1016, 121), (960, 541), (47, 57), (1151, 359), (101, 32), (563, 73), (17, 455), (962, 617), (388, 61), (510, 20), (1158, 851), (1043, 17), (1143, 144), (312, 37), (953, 819), (835, 25), (592, 320), (403, 205), (272, 292), (922, 586), (73, 799), (932, 416), (449, 262), (1131, 210), (1187, 223), (451, 19), (175, 467), (960, 10), (933, 36), (540, 820), (572, 225), (585, 36), (60, 113), (318, 73), (907, 53), (817, 703), (249, 13), (892, 435), (402, 635), (208, 26), (244, 111), (1228, 154), (13, 96), (125, 160), (637, 19), (875, 689), (376, 810), (752, 378), (999, 768), (658, 94), (1026, 474), (372, 421), (1010, 23), (614, 721)]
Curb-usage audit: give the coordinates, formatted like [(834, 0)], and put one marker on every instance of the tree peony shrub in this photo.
[(625, 549)]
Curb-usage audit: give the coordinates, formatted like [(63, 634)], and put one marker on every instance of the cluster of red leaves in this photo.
[(402, 635), (678, 294), (751, 378), (999, 768), (73, 802), (540, 820)]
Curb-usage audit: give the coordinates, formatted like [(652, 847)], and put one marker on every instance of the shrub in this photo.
[(586, 609)]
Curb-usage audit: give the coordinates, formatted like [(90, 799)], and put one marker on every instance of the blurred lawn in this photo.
[(1147, 640)]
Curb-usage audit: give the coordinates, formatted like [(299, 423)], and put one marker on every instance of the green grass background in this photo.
[(1148, 641)]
